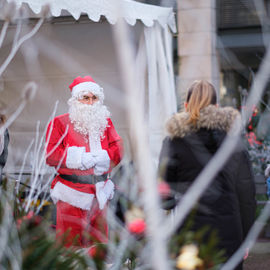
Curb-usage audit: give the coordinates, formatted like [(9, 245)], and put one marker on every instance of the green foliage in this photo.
[(98, 253), (206, 241), (30, 240), (259, 156), (41, 251)]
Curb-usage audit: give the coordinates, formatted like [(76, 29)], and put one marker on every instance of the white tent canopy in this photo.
[(153, 64), (130, 10)]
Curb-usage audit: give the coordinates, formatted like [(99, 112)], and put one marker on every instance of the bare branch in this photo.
[(250, 239), (141, 151), (3, 32), (23, 165), (19, 43), (28, 92)]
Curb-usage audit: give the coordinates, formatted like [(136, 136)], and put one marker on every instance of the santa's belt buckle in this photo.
[(84, 179)]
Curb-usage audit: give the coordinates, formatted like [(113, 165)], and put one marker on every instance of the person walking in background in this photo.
[(4, 141), (267, 176), (83, 146), (228, 204)]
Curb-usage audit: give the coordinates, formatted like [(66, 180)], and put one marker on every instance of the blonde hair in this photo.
[(199, 95)]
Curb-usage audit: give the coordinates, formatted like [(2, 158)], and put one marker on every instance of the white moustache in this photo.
[(88, 118)]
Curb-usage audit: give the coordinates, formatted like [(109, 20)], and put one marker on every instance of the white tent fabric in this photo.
[(130, 10), (154, 64), (161, 90)]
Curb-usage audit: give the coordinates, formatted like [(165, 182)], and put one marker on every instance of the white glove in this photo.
[(88, 161), (104, 192), (102, 162), (74, 157)]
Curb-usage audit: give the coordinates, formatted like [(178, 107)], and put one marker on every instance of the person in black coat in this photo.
[(228, 204), (4, 141)]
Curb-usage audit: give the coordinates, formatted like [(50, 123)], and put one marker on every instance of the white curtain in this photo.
[(155, 75)]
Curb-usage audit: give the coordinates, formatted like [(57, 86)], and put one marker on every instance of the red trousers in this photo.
[(81, 227)]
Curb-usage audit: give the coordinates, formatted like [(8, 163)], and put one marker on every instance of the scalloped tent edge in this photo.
[(131, 11)]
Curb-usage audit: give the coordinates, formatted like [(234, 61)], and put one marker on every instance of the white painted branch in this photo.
[(141, 151), (29, 91), (22, 167), (3, 32), (250, 239), (6, 222), (35, 177), (18, 44)]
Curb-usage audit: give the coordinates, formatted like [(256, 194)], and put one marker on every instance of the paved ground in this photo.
[(259, 257)]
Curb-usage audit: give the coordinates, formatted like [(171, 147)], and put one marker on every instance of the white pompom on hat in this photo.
[(86, 84)]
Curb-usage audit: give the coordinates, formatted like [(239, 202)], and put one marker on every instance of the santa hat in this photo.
[(84, 85)]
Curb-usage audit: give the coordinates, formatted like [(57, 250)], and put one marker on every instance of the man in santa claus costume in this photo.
[(83, 146)]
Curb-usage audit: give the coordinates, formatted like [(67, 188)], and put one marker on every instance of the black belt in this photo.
[(84, 179)]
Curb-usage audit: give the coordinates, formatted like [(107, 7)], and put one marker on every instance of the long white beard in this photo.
[(88, 119)]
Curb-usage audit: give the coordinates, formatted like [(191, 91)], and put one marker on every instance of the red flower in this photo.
[(251, 137), (137, 226), (97, 252), (19, 223), (29, 215), (164, 189), (30, 218)]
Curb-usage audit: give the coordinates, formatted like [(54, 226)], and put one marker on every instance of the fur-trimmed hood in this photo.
[(211, 117)]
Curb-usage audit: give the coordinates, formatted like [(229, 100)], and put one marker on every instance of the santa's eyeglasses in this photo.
[(88, 98)]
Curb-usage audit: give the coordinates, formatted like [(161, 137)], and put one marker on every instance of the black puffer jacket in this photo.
[(4, 154), (228, 204)]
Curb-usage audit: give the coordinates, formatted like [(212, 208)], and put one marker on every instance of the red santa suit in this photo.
[(81, 193)]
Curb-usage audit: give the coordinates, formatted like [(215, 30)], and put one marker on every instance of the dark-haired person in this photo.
[(228, 204), (4, 141)]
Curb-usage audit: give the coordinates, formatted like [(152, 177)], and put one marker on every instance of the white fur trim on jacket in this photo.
[(102, 162), (104, 192), (92, 87), (94, 143), (72, 196), (74, 157)]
